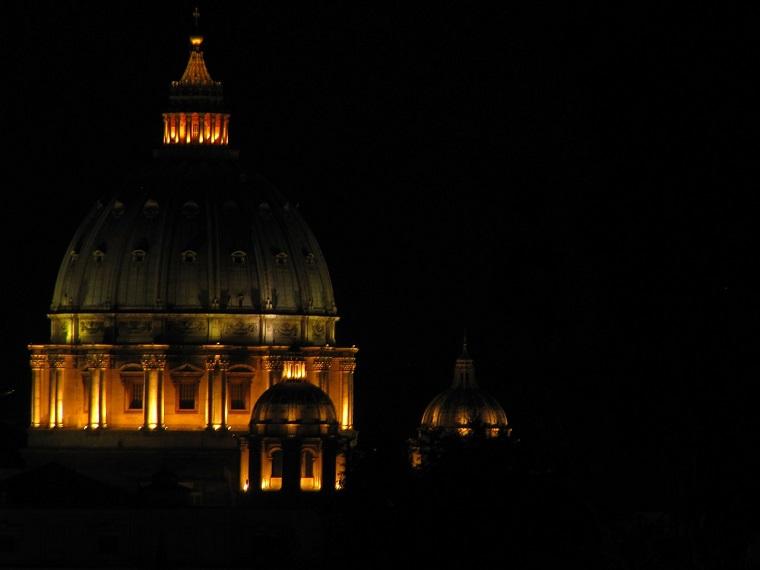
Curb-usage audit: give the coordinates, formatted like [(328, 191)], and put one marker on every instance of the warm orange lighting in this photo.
[(271, 484), (309, 484), (94, 397), (245, 486), (152, 398), (464, 431), (196, 128), (293, 369), (311, 470), (196, 40), (59, 398)]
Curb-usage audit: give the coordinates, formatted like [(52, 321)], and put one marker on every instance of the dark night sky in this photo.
[(569, 185)]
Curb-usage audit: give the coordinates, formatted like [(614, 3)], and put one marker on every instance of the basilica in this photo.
[(193, 363), (193, 333), (193, 327)]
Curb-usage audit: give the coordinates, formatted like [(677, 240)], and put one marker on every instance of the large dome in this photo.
[(193, 250), (195, 236), (199, 243)]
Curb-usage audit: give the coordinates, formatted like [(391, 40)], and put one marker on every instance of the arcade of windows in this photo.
[(186, 394)]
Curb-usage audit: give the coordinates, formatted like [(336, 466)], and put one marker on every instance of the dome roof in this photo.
[(294, 407), (464, 407), (195, 235)]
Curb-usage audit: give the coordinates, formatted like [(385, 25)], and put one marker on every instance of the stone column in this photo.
[(52, 392), (38, 363), (255, 459), (245, 461), (272, 368), (55, 394), (98, 364), (322, 368), (153, 392), (346, 411), (328, 465), (210, 368), (219, 417), (291, 465)]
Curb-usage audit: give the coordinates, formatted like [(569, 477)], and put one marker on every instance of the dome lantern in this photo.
[(196, 115), (192, 303)]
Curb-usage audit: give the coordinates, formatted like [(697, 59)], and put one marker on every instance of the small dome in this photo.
[(467, 408), (294, 407), (464, 408)]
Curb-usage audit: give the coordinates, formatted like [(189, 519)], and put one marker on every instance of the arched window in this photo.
[(277, 463), (238, 257), (190, 210), (310, 467), (307, 464), (138, 255), (238, 395), (150, 209), (272, 473)]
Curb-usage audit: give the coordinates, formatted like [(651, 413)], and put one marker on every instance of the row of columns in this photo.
[(52, 368), (48, 371), (254, 463), (196, 128)]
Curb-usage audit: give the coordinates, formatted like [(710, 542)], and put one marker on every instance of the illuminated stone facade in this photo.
[(180, 301)]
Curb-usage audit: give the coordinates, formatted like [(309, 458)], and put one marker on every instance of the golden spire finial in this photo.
[(196, 39), (464, 371)]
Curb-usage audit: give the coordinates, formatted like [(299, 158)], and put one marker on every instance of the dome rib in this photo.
[(292, 287)]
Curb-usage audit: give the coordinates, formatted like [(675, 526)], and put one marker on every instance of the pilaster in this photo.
[(154, 365), (39, 364), (98, 365)]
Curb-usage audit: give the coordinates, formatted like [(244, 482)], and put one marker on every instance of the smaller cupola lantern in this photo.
[(294, 442)]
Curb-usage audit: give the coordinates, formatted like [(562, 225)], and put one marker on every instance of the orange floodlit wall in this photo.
[(196, 128)]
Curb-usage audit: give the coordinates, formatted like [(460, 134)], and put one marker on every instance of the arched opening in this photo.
[(277, 464), (272, 480), (310, 480)]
